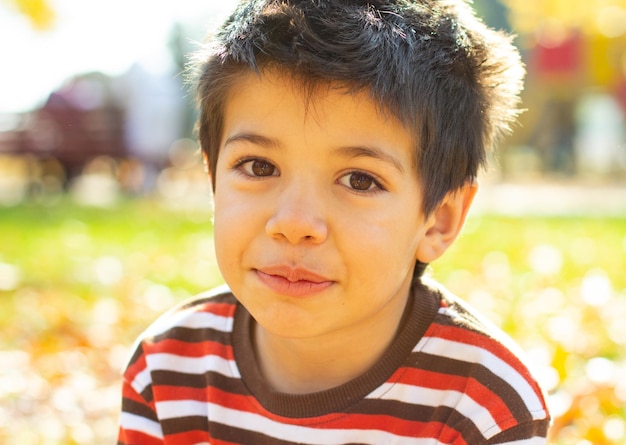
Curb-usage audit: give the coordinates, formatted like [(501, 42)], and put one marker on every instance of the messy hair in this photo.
[(453, 82)]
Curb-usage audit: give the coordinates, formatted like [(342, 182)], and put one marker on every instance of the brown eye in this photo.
[(262, 168), (361, 181)]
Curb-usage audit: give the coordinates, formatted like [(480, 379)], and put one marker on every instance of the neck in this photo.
[(303, 366)]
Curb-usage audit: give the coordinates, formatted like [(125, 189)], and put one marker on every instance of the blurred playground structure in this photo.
[(575, 92), (133, 132)]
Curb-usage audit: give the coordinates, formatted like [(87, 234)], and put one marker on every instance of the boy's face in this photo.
[(317, 209)]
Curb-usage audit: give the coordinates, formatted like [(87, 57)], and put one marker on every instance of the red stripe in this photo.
[(470, 386), (136, 437), (482, 341), (221, 309), (193, 350), (136, 367), (129, 393), (462, 335)]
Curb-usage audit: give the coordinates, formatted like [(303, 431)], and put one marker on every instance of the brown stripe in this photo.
[(205, 380)]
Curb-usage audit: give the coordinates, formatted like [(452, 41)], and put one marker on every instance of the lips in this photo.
[(292, 282)]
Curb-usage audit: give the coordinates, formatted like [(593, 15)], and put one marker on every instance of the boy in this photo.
[(343, 139)]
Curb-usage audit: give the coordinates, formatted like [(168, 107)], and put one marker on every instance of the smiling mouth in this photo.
[(293, 282)]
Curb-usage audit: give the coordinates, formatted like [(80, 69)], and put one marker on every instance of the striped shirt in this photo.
[(449, 377)]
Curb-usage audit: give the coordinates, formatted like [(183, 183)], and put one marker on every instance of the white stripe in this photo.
[(192, 365), (205, 320), (461, 402), (181, 408), (475, 354), (132, 422), (189, 319), (141, 381)]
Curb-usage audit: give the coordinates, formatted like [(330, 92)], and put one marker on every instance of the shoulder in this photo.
[(466, 334), (192, 338), (204, 320), (479, 360)]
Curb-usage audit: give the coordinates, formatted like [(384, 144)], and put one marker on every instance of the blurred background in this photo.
[(105, 211)]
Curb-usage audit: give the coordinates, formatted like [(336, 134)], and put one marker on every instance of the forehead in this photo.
[(310, 89), (262, 99)]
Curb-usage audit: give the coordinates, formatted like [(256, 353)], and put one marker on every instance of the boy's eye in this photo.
[(258, 167), (360, 181)]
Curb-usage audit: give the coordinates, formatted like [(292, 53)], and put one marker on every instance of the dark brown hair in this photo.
[(453, 82)]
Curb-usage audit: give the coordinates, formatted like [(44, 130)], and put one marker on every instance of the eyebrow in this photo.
[(348, 151), (252, 138), (363, 151)]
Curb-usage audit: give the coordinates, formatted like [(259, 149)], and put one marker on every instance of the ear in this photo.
[(445, 223)]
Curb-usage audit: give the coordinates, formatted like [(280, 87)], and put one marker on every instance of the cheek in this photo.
[(224, 250), (383, 241), (238, 220), (228, 228), (231, 210)]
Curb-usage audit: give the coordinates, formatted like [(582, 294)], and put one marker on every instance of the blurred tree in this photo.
[(606, 17), (573, 50), (587, 38), (39, 12)]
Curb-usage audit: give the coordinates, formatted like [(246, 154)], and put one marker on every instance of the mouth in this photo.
[(292, 282)]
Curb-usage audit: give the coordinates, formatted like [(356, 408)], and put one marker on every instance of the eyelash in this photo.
[(239, 166), (376, 186)]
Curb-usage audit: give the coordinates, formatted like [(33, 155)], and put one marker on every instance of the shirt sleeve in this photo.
[(139, 423)]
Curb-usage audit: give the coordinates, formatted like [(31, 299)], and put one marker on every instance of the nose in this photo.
[(298, 216)]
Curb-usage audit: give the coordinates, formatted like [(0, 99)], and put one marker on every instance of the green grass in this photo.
[(78, 284)]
